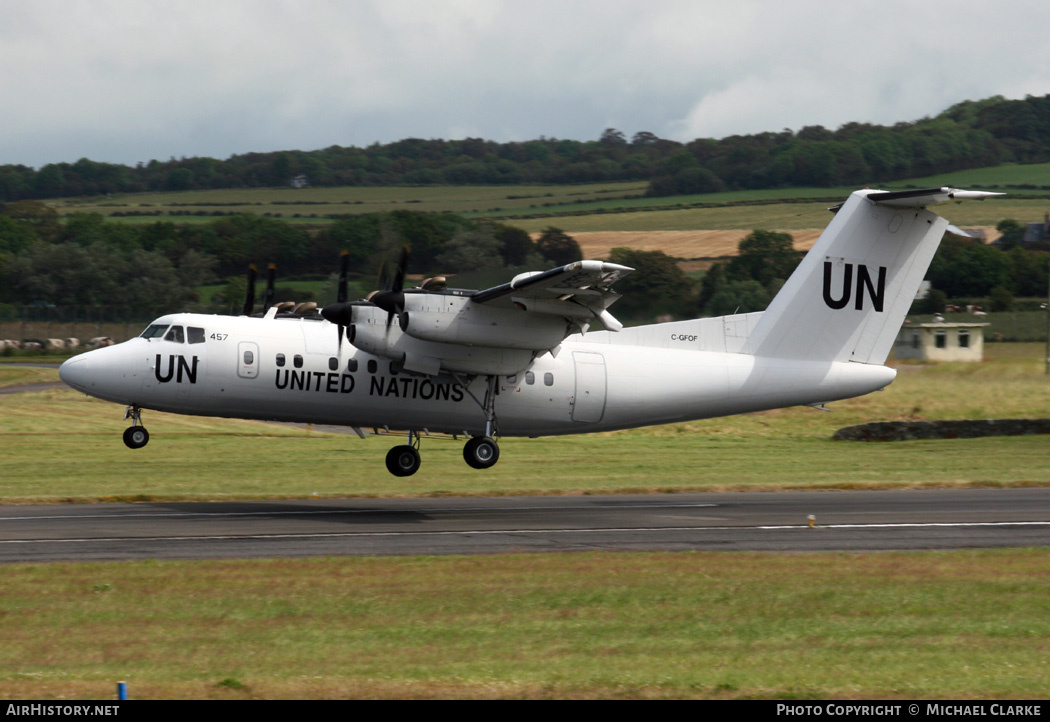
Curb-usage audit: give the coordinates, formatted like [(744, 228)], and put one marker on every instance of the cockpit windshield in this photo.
[(155, 330), (176, 335)]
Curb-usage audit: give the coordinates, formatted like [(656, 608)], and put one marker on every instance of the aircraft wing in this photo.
[(579, 291)]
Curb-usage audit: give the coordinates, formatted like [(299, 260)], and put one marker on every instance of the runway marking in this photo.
[(911, 524), (309, 512), (330, 535)]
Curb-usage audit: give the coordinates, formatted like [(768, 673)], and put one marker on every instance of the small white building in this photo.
[(940, 341)]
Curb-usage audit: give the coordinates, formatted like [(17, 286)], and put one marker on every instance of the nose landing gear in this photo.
[(135, 436)]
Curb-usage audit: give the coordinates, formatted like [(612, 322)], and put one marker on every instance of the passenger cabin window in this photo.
[(530, 378), (548, 379), (333, 364), (249, 358), (280, 360), (372, 366), (196, 335), (297, 361), (351, 365), (155, 330), (176, 335)]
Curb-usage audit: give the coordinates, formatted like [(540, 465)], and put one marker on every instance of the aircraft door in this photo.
[(589, 400), (248, 359)]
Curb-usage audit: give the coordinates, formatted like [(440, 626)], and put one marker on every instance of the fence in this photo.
[(80, 322)]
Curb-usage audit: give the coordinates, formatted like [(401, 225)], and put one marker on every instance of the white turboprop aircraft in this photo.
[(515, 360)]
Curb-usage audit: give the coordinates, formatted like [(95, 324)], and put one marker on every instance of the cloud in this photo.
[(130, 80)]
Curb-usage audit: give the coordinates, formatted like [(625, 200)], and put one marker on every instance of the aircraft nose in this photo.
[(76, 372)]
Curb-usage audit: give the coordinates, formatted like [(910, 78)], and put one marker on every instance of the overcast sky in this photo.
[(127, 81)]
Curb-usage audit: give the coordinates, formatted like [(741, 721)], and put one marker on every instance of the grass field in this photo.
[(581, 625), (61, 445), (945, 625)]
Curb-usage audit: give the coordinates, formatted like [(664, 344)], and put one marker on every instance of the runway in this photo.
[(842, 521)]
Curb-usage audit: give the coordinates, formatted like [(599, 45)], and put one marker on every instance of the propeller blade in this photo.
[(249, 296), (381, 281), (392, 300), (399, 275), (271, 279), (344, 268)]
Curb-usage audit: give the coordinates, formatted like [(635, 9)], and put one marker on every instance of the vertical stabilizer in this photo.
[(847, 300)]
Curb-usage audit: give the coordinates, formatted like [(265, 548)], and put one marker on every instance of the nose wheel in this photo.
[(135, 436)]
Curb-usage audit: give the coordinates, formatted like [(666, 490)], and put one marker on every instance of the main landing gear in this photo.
[(135, 436), (480, 452)]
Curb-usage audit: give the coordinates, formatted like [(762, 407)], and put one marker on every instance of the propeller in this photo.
[(391, 299), (249, 296), (340, 313)]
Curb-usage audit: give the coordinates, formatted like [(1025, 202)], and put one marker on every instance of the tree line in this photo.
[(967, 135), (87, 260)]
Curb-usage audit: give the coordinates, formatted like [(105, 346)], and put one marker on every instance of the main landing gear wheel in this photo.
[(403, 460), (481, 452), (135, 437)]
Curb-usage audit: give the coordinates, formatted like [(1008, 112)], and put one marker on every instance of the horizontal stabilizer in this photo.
[(922, 197)]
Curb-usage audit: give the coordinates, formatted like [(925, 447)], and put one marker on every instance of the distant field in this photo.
[(1007, 177), (789, 217), (494, 200), (315, 203), (677, 244), (582, 208)]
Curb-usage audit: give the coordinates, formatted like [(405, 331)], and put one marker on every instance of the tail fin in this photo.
[(847, 300)]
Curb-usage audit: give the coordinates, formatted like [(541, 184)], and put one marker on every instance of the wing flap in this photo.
[(592, 278), (578, 291)]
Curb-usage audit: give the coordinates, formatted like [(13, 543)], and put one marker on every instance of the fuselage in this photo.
[(295, 370)]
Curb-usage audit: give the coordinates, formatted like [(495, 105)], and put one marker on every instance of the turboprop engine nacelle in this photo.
[(371, 334), (456, 320)]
